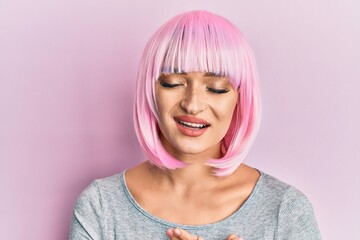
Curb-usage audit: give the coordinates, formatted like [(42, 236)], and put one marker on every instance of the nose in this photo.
[(193, 101)]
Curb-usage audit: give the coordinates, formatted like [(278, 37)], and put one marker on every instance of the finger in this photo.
[(233, 237), (170, 234), (184, 235)]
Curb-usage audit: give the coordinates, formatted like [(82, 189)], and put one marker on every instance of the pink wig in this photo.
[(199, 41)]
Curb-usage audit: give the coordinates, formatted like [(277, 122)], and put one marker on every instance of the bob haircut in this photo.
[(199, 41)]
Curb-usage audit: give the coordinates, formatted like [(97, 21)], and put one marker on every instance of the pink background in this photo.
[(67, 71)]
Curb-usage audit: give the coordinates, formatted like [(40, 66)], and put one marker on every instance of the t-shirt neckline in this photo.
[(133, 201)]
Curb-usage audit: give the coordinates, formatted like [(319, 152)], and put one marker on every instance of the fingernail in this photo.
[(177, 231), (169, 232)]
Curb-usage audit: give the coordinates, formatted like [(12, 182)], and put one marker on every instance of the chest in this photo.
[(133, 223), (197, 209)]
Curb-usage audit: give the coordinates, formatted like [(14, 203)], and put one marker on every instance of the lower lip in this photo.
[(191, 132)]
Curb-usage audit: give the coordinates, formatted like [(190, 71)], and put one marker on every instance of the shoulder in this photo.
[(91, 207), (285, 192), (98, 190), (295, 215), (287, 196), (272, 184)]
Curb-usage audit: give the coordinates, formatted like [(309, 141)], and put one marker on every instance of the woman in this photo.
[(197, 112)]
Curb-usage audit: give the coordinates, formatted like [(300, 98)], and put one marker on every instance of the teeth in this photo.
[(195, 125)]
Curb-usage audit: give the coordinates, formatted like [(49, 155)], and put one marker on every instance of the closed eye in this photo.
[(219, 91), (169, 85)]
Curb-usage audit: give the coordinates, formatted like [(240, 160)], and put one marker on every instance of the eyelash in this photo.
[(213, 90), (168, 85), (218, 91)]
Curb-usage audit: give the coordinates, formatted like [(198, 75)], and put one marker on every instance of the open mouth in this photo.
[(191, 125)]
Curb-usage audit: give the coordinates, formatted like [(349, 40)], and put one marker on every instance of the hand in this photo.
[(180, 234), (233, 237)]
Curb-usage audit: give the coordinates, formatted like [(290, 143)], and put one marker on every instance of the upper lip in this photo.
[(185, 118)]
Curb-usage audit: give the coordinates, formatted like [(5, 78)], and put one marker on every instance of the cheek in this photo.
[(165, 102), (226, 109), (160, 103)]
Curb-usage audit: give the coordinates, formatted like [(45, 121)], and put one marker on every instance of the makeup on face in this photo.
[(212, 82), (191, 126), (195, 112)]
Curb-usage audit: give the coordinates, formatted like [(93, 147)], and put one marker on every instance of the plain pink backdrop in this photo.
[(67, 71)]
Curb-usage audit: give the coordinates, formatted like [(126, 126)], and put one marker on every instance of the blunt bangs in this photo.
[(199, 41)]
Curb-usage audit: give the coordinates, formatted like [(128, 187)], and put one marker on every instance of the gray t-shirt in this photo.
[(274, 210)]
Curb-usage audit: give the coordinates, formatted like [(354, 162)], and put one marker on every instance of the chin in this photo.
[(192, 149)]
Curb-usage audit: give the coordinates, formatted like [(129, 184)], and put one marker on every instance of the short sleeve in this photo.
[(86, 219), (296, 218)]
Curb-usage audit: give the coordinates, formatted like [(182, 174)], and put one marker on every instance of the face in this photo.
[(195, 112)]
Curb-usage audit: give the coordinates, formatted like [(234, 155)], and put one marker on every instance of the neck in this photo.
[(192, 178), (197, 174)]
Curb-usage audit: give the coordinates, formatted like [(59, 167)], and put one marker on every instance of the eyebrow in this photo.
[(211, 74)]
